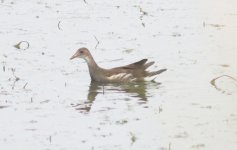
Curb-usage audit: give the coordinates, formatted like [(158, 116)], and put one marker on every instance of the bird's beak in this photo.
[(75, 55)]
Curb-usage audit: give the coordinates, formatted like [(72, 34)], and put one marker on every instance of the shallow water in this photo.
[(48, 101)]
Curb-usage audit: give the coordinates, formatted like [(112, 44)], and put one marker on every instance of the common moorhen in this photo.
[(129, 73)]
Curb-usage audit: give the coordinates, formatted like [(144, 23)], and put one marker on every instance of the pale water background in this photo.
[(48, 103)]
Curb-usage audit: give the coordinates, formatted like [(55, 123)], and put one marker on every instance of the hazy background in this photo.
[(47, 101)]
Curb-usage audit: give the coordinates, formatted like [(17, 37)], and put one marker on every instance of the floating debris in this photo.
[(1, 107), (45, 101), (208, 107), (128, 50), (197, 146), (133, 137), (115, 60), (143, 13), (160, 109), (25, 85), (204, 24), (13, 73), (16, 78), (3, 66), (216, 25), (181, 135), (175, 34), (59, 27), (22, 45), (31, 129), (50, 139), (98, 42), (122, 122), (224, 65), (213, 82)]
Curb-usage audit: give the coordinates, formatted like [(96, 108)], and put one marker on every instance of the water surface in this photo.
[(49, 102)]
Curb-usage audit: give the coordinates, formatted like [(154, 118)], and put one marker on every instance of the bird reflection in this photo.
[(138, 90)]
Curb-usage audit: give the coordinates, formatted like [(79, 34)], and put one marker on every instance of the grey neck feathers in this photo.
[(93, 67)]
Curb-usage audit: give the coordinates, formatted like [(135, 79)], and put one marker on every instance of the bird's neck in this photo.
[(92, 65)]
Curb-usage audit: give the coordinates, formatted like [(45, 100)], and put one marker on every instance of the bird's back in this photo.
[(132, 72)]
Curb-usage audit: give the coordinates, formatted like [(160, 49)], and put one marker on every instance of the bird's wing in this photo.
[(135, 65)]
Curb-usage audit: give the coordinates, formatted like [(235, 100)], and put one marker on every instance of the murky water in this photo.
[(48, 101)]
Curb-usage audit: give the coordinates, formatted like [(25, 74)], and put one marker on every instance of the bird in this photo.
[(133, 72)]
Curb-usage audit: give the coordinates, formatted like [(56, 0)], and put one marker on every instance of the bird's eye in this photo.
[(81, 52)]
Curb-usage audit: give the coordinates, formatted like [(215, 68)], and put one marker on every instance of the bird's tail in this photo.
[(149, 74)]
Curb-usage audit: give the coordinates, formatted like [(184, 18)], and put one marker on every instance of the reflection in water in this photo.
[(137, 90)]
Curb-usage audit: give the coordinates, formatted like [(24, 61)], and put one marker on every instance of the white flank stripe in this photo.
[(121, 76)]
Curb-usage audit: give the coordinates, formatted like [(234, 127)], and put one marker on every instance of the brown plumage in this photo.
[(132, 72)]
